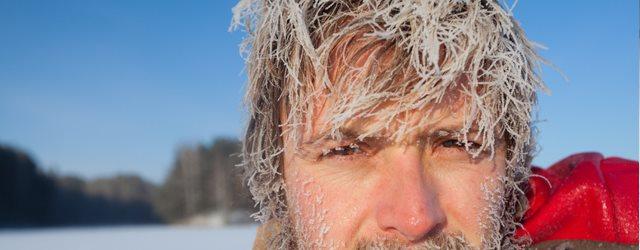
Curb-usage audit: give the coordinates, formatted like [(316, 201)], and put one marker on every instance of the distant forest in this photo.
[(204, 180)]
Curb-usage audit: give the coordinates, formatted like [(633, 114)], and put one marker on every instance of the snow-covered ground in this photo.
[(130, 237)]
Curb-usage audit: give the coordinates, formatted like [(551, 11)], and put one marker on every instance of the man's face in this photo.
[(352, 193)]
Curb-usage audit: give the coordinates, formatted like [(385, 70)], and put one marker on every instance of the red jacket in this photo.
[(584, 197)]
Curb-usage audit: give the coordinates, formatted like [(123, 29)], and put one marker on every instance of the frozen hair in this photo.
[(292, 47)]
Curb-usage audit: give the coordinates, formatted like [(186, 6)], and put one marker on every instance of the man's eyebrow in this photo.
[(453, 129), (353, 134), (445, 131), (344, 133)]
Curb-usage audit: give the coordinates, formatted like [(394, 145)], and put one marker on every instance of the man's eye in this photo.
[(459, 144), (345, 150)]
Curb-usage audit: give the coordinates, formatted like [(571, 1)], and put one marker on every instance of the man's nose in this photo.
[(408, 203)]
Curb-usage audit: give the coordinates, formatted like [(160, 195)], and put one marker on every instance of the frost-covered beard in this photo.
[(505, 204), (440, 241), (497, 228)]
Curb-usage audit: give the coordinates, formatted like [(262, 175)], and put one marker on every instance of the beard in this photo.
[(498, 227), (439, 241)]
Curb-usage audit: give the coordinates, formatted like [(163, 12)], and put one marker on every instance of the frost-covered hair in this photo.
[(292, 47)]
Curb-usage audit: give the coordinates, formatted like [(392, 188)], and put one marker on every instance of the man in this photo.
[(404, 124)]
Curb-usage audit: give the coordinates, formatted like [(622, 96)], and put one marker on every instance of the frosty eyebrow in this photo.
[(354, 134), (451, 130), (346, 134)]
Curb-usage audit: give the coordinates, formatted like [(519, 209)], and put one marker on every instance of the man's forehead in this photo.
[(371, 92), (447, 115)]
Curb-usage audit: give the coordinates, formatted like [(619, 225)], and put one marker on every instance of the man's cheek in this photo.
[(348, 213), (463, 196), (313, 220), (304, 201), (466, 213), (326, 214)]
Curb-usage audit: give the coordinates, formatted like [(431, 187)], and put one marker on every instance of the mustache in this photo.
[(438, 241)]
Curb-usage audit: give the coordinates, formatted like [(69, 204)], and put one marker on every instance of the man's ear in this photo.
[(264, 233)]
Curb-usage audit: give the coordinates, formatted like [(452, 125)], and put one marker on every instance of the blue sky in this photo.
[(95, 88)]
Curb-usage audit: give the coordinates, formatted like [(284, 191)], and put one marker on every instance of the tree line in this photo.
[(203, 180)]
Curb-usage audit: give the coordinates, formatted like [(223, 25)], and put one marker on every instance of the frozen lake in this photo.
[(130, 237)]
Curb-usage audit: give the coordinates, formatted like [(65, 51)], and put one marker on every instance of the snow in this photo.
[(130, 237)]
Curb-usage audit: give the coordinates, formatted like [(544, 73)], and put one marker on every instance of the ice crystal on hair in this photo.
[(418, 52)]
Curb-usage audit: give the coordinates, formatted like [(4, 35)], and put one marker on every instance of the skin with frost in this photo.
[(367, 192), (428, 45)]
